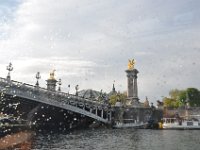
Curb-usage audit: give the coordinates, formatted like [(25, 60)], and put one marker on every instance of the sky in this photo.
[(89, 42)]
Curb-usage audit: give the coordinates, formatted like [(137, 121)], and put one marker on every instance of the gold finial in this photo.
[(131, 64), (52, 75)]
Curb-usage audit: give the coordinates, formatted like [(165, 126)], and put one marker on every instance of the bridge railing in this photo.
[(35, 91), (61, 99)]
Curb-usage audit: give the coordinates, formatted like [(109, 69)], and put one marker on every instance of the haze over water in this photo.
[(120, 139)]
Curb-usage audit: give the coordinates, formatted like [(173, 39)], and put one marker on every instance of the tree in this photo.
[(118, 97), (173, 101), (169, 102), (174, 94), (193, 96), (182, 97)]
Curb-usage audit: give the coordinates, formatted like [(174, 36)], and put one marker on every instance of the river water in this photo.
[(119, 139)]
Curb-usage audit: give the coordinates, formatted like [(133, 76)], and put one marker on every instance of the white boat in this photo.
[(129, 125), (180, 123)]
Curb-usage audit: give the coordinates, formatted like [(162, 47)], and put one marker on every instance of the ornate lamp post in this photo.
[(77, 88), (9, 68), (68, 88), (59, 83), (37, 76), (101, 93)]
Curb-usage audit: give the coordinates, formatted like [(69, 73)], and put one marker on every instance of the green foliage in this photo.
[(173, 101), (169, 102), (174, 94), (193, 96), (181, 97), (118, 97)]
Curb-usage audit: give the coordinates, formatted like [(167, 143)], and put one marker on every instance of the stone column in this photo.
[(135, 87), (129, 83), (132, 89), (51, 84)]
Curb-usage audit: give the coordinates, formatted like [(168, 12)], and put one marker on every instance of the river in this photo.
[(119, 139)]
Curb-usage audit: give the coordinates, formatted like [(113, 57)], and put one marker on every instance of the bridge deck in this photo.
[(87, 107)]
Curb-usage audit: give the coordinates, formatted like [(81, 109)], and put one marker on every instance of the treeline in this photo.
[(178, 98), (117, 97)]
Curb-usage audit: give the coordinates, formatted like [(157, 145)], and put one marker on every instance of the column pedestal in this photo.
[(132, 88), (51, 84)]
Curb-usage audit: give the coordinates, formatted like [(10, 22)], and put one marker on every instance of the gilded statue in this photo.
[(131, 64), (52, 74)]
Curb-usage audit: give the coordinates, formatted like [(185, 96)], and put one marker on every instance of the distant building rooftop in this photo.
[(89, 93)]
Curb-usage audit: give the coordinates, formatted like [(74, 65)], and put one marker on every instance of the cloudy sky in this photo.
[(89, 42)]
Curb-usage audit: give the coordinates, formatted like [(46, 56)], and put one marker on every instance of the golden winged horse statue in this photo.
[(131, 64), (52, 74)]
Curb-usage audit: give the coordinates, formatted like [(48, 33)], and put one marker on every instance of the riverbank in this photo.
[(21, 140)]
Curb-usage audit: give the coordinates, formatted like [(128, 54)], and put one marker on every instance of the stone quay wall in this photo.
[(139, 114)]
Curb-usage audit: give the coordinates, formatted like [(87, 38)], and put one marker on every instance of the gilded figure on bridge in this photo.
[(131, 64), (52, 75)]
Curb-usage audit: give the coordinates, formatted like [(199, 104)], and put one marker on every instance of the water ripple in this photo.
[(119, 139)]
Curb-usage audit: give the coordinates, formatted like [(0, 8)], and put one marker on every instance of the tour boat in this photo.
[(129, 125), (180, 123)]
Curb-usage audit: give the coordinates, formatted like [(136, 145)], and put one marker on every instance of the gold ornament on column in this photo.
[(52, 75), (131, 64)]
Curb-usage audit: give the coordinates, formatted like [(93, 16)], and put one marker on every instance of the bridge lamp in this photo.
[(9, 68), (68, 88), (37, 77), (59, 83), (77, 88)]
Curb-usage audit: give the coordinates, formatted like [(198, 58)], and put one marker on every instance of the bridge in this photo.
[(87, 107)]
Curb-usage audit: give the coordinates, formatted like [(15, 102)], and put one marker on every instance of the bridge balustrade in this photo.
[(64, 100)]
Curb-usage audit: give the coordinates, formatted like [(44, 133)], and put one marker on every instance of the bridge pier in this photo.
[(109, 116), (102, 113), (96, 111)]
